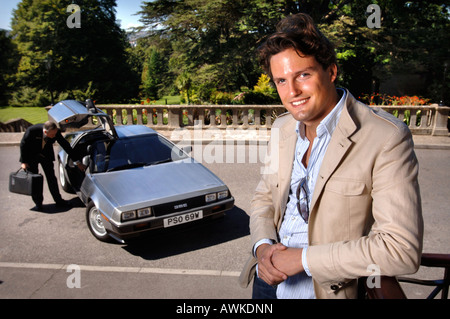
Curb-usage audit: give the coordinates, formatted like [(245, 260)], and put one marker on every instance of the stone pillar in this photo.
[(174, 117), (440, 121)]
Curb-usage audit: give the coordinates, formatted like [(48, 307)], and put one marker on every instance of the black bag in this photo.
[(25, 182)]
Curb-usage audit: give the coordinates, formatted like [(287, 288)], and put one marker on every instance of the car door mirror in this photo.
[(187, 149)]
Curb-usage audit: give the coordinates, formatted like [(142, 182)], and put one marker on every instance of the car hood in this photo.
[(153, 185)]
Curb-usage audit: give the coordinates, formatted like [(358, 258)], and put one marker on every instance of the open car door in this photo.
[(75, 114)]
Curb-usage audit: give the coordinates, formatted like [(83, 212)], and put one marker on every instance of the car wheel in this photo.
[(63, 180), (95, 223)]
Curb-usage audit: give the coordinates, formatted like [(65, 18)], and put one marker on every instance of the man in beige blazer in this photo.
[(364, 213)]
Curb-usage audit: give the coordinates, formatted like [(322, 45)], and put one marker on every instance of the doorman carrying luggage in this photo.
[(36, 148)]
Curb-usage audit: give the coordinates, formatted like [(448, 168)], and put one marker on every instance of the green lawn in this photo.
[(169, 100), (33, 115), (36, 115)]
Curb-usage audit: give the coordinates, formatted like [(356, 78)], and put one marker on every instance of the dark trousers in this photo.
[(49, 171), (262, 290)]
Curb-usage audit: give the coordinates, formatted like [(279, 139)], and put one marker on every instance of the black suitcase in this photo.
[(24, 182)]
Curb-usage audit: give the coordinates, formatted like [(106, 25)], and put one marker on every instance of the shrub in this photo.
[(384, 99), (32, 97), (263, 93)]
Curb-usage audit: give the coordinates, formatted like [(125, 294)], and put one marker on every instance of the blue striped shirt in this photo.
[(294, 230)]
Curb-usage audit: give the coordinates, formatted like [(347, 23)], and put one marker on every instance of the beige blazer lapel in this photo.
[(287, 140), (338, 147)]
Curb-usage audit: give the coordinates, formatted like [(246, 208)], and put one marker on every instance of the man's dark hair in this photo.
[(298, 32)]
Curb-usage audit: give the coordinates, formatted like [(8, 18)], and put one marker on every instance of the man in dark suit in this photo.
[(36, 148)]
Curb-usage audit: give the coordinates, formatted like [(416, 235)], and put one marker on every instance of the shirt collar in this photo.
[(329, 123)]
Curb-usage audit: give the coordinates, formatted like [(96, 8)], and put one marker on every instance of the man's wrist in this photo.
[(259, 243)]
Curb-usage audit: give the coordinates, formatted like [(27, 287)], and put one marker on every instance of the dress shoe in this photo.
[(38, 208)]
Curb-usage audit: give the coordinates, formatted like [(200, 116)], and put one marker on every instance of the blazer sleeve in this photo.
[(262, 209), (270, 196), (394, 244)]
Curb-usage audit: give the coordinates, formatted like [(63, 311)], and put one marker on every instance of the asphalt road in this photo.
[(200, 262)]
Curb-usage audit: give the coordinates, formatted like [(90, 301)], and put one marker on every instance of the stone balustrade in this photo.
[(422, 119), (171, 117), (14, 125)]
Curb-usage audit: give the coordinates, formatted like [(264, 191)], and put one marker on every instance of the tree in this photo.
[(8, 65), (206, 33), (152, 74), (420, 32), (58, 58), (222, 36)]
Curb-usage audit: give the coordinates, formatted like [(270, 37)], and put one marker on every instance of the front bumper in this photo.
[(134, 228)]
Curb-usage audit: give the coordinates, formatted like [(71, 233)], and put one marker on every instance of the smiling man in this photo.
[(345, 195)]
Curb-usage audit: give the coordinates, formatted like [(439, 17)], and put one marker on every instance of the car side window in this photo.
[(99, 156)]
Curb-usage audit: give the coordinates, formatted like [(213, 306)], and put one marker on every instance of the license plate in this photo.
[(184, 218)]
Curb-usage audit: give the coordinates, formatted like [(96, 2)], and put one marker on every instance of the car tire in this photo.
[(95, 223), (63, 178)]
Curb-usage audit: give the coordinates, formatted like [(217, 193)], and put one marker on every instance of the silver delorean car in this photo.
[(136, 180)]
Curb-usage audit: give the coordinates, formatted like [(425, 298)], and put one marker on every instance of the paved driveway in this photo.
[(196, 262)]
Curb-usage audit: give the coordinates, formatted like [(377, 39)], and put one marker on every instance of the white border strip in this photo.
[(142, 270)]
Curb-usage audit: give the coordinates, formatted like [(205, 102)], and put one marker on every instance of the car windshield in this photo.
[(113, 155)]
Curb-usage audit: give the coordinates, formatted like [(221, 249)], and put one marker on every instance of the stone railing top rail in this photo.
[(431, 120)]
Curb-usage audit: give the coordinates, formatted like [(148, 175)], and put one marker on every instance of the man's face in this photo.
[(51, 133), (305, 88)]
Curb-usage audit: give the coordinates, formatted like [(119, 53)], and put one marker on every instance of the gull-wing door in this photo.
[(75, 114)]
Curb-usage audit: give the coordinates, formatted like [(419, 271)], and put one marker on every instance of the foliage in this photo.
[(8, 63), (385, 99), (58, 58), (207, 34), (151, 74), (224, 35), (263, 93), (205, 51), (263, 86), (218, 97), (32, 97), (81, 95)]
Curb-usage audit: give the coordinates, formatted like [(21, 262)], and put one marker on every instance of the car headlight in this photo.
[(144, 212), (222, 194), (216, 196), (210, 197), (129, 215)]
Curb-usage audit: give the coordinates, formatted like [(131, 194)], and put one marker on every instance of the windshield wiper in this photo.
[(159, 162), (127, 166)]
